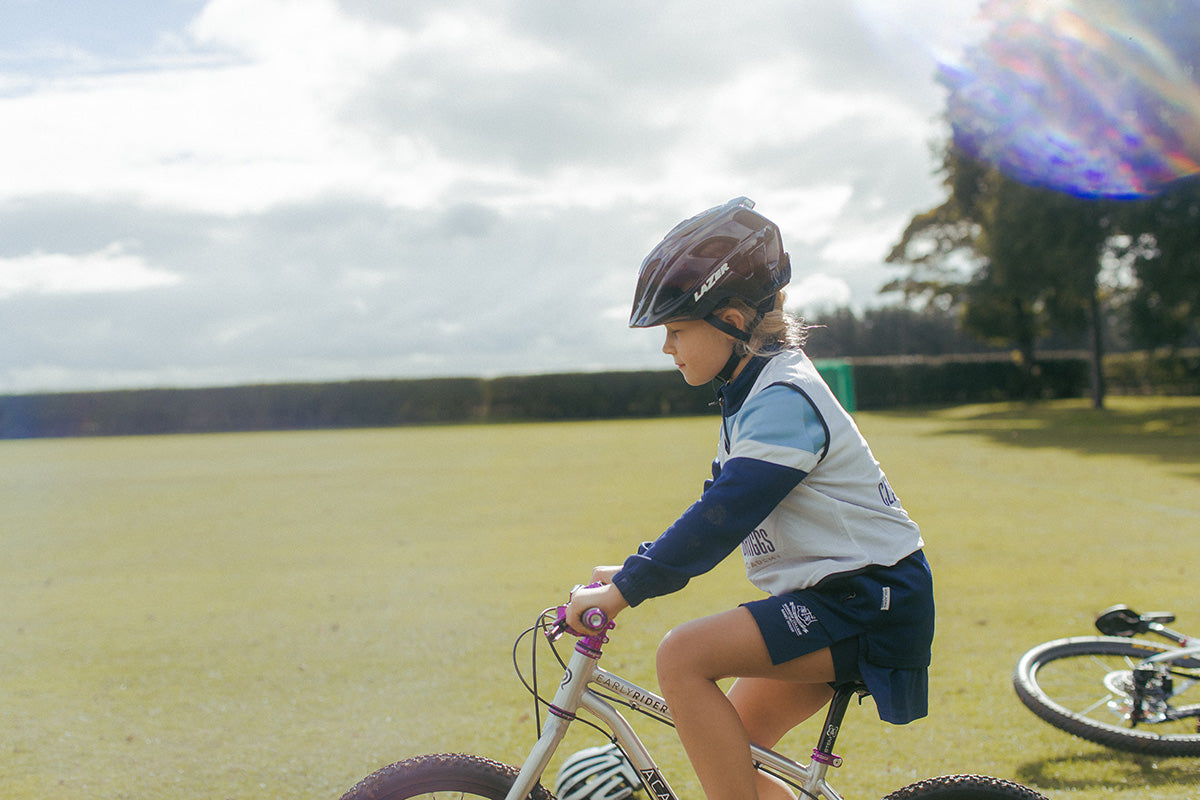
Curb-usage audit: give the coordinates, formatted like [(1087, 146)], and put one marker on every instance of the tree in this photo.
[(1018, 260), (1164, 240), (889, 331)]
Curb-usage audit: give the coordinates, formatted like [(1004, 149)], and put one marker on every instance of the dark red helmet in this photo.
[(724, 253)]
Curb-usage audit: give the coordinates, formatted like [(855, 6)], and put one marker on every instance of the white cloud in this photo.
[(816, 293), (338, 189), (109, 270), (313, 42), (253, 129)]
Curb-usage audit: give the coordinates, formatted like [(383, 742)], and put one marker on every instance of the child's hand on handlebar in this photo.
[(605, 597), (604, 574)]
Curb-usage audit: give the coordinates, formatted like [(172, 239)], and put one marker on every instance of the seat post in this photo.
[(823, 752)]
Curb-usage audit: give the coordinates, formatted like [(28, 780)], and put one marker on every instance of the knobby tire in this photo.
[(1071, 695), (446, 775), (965, 787), (458, 776)]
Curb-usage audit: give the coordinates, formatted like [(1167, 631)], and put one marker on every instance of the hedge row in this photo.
[(865, 384), (354, 404), (894, 383), (1148, 373)]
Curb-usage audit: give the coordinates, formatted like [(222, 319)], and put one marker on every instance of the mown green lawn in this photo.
[(275, 615)]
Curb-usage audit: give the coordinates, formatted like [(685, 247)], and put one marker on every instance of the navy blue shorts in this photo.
[(878, 624)]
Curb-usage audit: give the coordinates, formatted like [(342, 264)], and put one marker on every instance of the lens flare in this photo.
[(1097, 98)]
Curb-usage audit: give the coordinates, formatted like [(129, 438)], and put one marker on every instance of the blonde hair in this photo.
[(776, 330)]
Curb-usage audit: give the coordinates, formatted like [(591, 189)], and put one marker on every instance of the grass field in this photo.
[(276, 615)]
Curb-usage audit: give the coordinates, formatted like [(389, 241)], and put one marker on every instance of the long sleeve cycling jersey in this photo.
[(794, 484)]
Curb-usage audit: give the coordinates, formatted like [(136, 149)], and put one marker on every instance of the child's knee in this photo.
[(679, 657), (665, 653), (669, 660)]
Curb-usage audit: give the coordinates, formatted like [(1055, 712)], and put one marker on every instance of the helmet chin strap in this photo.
[(725, 327), (726, 373)]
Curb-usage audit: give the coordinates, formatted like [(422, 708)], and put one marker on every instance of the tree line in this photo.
[(862, 383), (1019, 265)]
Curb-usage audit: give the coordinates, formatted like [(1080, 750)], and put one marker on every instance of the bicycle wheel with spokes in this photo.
[(446, 775), (1084, 686), (965, 787)]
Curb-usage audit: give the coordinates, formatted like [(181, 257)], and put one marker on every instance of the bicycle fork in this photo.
[(566, 702)]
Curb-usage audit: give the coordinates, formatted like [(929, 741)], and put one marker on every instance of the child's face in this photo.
[(699, 349)]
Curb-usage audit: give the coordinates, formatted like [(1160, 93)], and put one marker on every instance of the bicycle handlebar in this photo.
[(595, 619)]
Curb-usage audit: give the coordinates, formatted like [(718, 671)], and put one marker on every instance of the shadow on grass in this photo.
[(1099, 769), (1166, 430)]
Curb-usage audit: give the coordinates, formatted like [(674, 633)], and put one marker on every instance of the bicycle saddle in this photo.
[(1121, 620)]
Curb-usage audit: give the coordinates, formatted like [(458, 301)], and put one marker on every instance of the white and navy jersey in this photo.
[(795, 486)]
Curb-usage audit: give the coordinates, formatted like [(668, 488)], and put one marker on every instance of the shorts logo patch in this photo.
[(799, 618), (887, 599)]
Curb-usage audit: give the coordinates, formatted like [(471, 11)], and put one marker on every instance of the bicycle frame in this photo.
[(1124, 622), (1173, 655), (1189, 674), (585, 686), (574, 693)]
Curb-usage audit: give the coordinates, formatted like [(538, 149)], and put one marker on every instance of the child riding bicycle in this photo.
[(797, 488)]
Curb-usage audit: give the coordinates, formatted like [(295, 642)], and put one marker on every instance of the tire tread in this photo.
[(965, 787)]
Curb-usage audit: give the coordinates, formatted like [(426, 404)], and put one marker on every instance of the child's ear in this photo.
[(731, 316)]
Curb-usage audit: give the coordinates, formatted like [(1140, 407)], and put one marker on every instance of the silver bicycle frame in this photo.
[(574, 693), (1171, 655), (1191, 651)]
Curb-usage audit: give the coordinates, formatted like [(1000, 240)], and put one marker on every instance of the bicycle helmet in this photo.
[(723, 253), (597, 773)]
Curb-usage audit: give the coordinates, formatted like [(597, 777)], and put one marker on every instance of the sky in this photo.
[(254, 191)]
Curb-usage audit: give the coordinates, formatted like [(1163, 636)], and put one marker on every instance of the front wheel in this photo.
[(965, 787), (1089, 686), (447, 775)]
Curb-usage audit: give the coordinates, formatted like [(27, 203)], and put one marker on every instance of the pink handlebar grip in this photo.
[(594, 619)]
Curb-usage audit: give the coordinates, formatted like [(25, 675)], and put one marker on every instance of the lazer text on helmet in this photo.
[(712, 279)]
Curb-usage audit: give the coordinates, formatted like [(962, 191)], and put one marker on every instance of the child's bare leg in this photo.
[(769, 709), (692, 658)]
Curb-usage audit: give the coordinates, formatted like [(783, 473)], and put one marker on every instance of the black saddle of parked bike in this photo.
[(1121, 620)]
